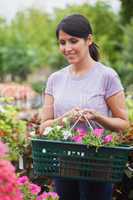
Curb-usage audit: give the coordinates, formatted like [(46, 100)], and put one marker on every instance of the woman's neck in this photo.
[(82, 68)]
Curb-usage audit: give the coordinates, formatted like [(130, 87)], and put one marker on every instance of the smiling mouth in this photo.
[(70, 56)]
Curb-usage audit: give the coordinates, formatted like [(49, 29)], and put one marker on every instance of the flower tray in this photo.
[(78, 161)]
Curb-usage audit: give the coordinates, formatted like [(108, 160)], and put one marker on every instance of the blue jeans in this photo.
[(82, 190)]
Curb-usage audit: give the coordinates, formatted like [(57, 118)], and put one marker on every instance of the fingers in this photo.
[(81, 114), (41, 129), (89, 114), (77, 113), (74, 114)]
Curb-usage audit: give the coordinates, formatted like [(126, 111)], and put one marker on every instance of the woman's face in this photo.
[(74, 49)]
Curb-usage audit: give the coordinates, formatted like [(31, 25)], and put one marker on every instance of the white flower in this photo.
[(32, 133), (47, 130), (2, 109), (66, 134)]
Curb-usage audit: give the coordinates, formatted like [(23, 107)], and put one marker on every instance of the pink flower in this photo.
[(81, 131), (22, 180), (8, 182), (30, 126), (53, 195), (77, 138), (98, 132), (35, 189), (82, 134), (49, 195), (108, 138), (43, 196), (3, 149)]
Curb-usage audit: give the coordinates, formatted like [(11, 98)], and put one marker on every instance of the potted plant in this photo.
[(94, 154)]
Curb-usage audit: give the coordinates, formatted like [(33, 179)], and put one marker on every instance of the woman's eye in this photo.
[(62, 42), (74, 41)]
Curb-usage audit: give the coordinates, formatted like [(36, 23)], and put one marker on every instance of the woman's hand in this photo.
[(73, 114), (42, 128), (90, 114), (81, 114)]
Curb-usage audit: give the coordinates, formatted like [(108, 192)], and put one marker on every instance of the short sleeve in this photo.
[(49, 86), (112, 84)]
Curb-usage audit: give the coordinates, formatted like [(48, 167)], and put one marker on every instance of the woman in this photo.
[(85, 86)]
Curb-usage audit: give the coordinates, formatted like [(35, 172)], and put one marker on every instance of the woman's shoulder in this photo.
[(58, 74), (107, 71)]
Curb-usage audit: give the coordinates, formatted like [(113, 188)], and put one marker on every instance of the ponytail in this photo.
[(93, 50)]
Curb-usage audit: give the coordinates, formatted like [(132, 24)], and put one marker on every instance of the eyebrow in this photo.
[(73, 37)]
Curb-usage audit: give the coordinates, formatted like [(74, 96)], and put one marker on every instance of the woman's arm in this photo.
[(47, 114), (119, 120)]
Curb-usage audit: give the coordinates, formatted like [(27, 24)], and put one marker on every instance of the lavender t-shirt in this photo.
[(88, 91)]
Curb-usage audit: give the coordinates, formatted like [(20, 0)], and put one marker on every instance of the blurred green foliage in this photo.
[(39, 86), (126, 11), (129, 103), (12, 130), (29, 42)]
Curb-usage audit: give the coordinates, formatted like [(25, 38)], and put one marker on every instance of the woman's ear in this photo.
[(90, 39)]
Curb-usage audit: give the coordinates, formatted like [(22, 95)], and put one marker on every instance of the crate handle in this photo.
[(89, 124), (130, 168), (81, 115)]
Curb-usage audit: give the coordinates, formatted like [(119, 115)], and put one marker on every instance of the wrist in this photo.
[(96, 115)]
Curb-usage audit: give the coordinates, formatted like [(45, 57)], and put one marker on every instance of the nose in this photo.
[(68, 46)]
